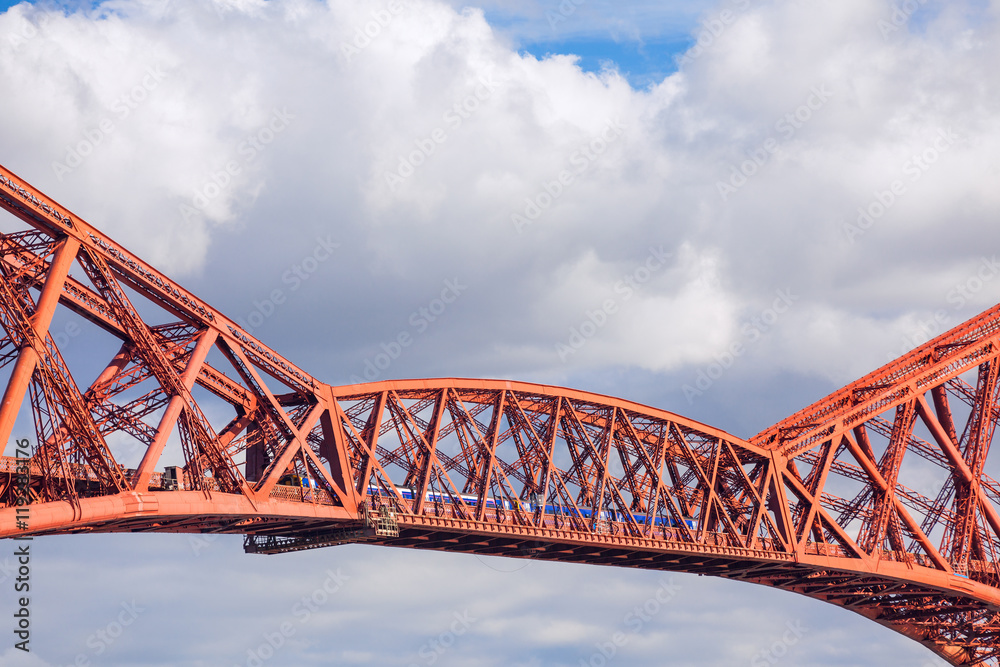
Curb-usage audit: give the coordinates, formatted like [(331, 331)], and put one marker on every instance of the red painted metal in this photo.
[(877, 498)]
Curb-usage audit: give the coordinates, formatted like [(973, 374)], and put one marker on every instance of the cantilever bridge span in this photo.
[(877, 498)]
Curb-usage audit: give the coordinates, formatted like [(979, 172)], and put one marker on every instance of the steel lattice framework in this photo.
[(876, 498)]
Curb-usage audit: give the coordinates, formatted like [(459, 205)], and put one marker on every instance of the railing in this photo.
[(301, 494), (824, 549), (565, 521), (83, 472), (78, 471)]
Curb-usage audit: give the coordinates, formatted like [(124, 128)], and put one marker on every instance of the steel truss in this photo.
[(878, 498)]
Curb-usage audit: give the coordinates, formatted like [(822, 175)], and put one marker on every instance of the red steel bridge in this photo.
[(876, 498)]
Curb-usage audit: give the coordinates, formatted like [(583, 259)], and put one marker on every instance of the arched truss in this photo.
[(877, 498)]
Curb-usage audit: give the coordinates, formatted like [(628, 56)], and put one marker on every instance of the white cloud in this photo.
[(17, 658), (278, 122), (424, 136)]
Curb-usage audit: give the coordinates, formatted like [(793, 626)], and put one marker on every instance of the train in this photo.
[(528, 507), (297, 481)]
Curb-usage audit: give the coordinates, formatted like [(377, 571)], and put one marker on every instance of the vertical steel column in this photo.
[(173, 411), (27, 358)]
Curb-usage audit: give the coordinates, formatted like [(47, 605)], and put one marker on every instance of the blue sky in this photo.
[(640, 41), (643, 62), (66, 4), (643, 50)]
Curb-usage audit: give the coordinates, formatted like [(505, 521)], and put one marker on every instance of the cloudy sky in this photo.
[(816, 181)]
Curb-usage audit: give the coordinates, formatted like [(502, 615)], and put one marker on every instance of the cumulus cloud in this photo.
[(832, 150), (431, 148)]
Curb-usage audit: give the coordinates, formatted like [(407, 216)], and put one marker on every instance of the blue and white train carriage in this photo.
[(551, 509)]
